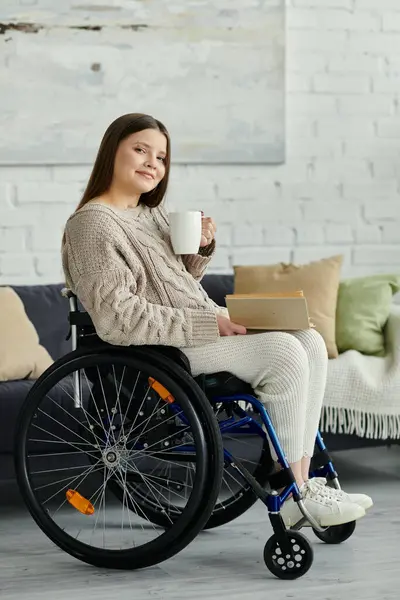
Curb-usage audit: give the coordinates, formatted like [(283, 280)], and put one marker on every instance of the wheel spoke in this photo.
[(111, 432), (70, 414), (138, 507), (164, 460), (134, 452), (83, 475), (147, 420), (65, 441), (62, 425)]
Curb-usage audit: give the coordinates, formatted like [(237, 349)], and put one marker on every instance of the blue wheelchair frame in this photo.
[(234, 426)]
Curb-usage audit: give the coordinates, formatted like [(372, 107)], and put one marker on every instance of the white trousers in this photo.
[(286, 370)]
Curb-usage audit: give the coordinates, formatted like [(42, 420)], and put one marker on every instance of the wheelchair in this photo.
[(123, 457)]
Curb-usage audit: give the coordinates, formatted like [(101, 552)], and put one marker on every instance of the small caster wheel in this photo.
[(289, 566), (337, 533)]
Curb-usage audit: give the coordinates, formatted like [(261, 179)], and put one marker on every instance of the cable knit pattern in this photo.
[(288, 373), (122, 267)]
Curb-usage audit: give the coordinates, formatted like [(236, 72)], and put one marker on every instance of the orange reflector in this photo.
[(161, 391), (79, 502)]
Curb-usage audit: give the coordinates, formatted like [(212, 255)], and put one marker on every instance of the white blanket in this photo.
[(363, 392)]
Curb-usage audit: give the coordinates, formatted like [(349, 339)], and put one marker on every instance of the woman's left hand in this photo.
[(208, 229)]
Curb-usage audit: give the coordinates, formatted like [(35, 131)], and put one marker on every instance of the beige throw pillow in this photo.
[(319, 281), (21, 355)]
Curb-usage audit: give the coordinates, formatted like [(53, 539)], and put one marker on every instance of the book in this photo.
[(286, 311)]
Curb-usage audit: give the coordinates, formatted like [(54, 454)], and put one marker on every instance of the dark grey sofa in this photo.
[(48, 311)]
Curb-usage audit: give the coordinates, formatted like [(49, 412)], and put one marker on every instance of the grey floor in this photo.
[(225, 563)]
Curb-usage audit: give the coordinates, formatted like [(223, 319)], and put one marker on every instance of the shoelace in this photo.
[(315, 492), (333, 492)]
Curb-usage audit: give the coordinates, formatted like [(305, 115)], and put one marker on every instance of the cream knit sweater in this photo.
[(122, 267)]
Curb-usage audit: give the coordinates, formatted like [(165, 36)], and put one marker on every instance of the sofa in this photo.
[(48, 311)]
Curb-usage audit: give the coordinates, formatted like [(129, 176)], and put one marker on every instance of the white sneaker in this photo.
[(326, 510), (361, 499)]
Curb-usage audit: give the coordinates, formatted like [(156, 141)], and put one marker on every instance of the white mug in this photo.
[(185, 231)]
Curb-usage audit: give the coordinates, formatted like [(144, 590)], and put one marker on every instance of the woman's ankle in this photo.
[(305, 467), (297, 472)]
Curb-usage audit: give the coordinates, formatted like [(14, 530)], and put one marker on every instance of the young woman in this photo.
[(118, 260)]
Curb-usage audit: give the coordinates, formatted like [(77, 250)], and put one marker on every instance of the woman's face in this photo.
[(140, 161)]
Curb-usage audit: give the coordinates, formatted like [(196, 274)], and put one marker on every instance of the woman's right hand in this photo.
[(226, 327)]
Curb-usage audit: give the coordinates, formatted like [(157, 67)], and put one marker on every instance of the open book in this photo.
[(282, 311)]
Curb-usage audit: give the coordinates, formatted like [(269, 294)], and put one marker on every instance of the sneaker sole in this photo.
[(329, 521)]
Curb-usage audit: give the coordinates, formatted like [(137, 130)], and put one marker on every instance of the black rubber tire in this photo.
[(337, 533), (194, 518), (289, 570)]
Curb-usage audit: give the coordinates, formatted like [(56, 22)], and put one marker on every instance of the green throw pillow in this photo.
[(362, 310)]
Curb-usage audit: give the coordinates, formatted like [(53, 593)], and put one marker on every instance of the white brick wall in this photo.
[(339, 191)]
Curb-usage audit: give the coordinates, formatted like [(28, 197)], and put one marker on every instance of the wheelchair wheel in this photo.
[(136, 428), (293, 565), (235, 496), (337, 533)]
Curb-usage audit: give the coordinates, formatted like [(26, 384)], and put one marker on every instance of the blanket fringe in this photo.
[(363, 424)]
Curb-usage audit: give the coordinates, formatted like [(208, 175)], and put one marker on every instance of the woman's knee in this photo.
[(313, 344), (287, 358)]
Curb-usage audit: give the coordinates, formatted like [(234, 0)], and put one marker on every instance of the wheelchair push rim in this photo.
[(99, 446)]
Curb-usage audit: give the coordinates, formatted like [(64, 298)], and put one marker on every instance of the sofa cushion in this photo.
[(21, 355), (217, 287), (48, 311), (58, 427), (319, 281), (362, 311), (12, 396)]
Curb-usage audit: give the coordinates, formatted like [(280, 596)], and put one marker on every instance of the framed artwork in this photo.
[(212, 70)]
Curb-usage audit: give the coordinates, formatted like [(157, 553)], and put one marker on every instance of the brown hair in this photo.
[(103, 168)]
